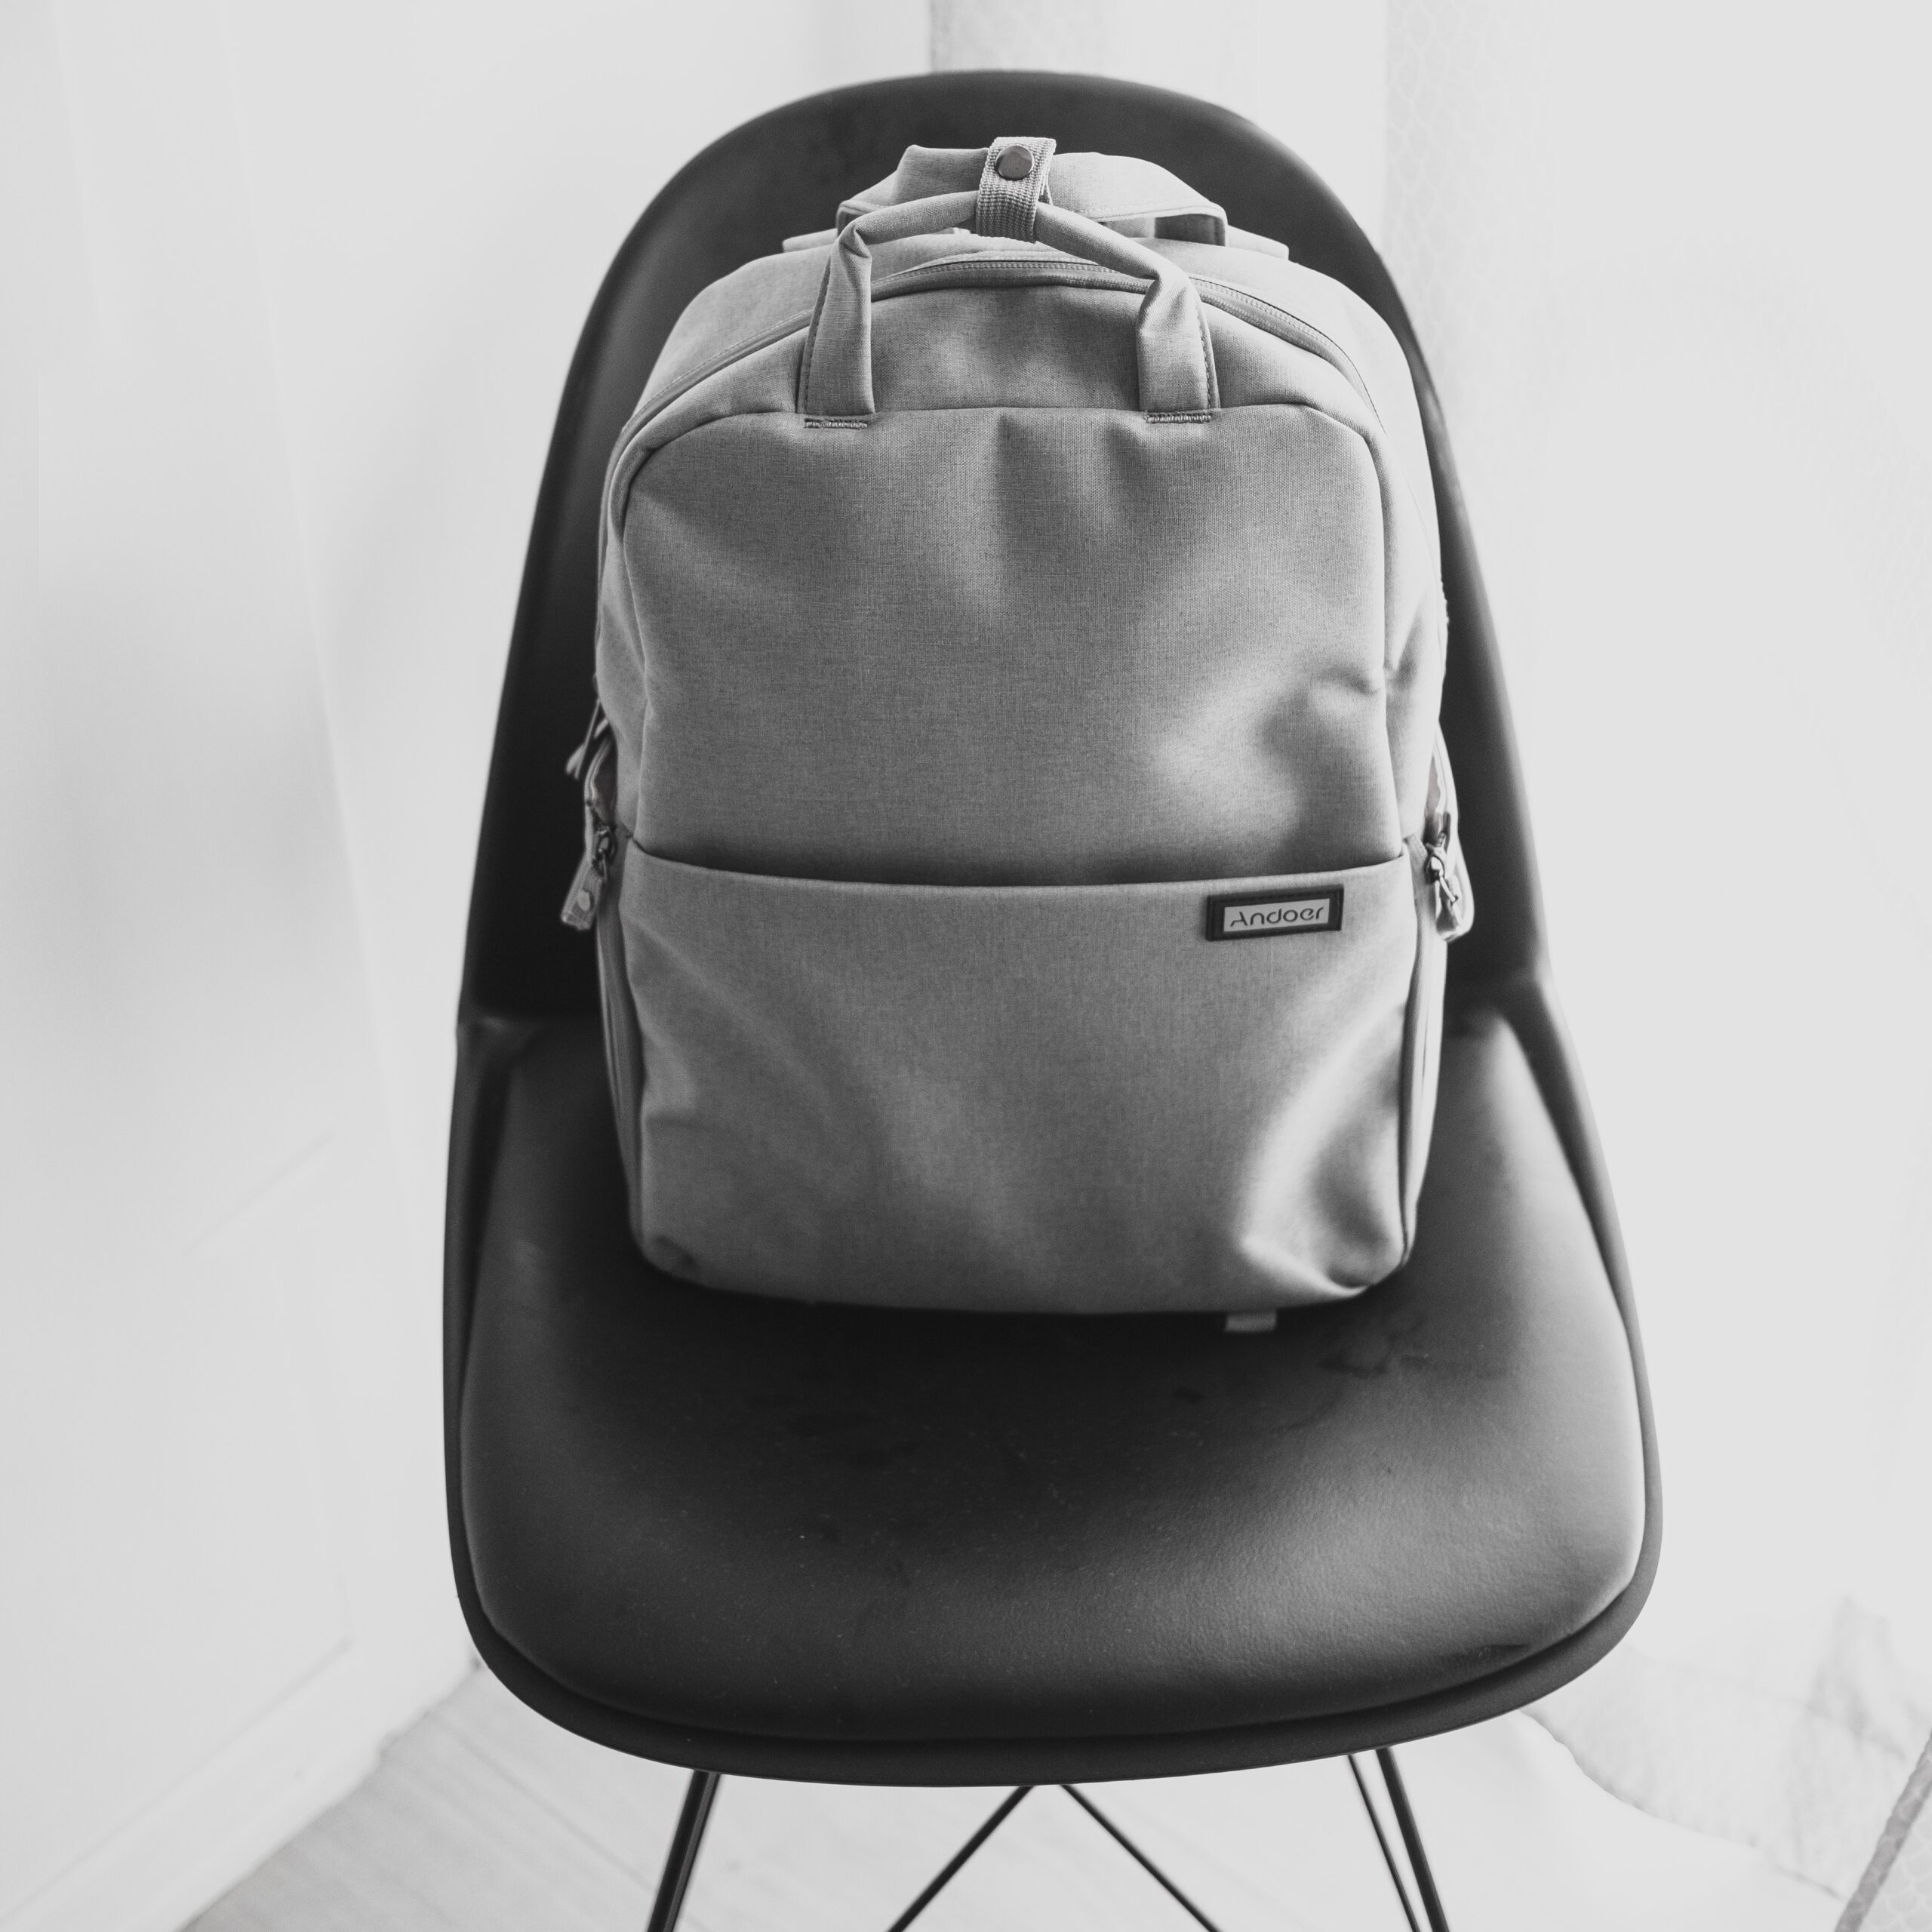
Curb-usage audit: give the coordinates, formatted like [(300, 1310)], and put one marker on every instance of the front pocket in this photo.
[(1021, 1096)]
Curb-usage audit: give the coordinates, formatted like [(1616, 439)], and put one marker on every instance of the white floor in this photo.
[(484, 1818)]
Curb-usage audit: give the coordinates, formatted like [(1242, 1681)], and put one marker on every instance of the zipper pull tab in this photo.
[(586, 893), (1453, 904), (592, 762), (1445, 880)]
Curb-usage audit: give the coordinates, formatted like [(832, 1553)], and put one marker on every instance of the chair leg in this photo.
[(1395, 1877), (959, 1859), (1398, 1796), (1138, 1856), (1411, 1833), (687, 1839), (680, 1861)]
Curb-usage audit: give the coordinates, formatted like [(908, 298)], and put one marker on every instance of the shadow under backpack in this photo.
[(1020, 842)]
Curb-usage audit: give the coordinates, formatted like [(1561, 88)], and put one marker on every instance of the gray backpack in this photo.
[(1018, 841)]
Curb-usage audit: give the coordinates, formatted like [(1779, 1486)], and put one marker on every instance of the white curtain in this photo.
[(1668, 264)]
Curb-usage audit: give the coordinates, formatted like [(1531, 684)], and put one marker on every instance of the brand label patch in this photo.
[(1273, 915)]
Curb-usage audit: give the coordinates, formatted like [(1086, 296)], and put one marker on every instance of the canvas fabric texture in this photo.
[(975, 613)]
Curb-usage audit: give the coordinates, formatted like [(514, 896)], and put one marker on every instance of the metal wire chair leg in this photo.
[(951, 1868), (1138, 1856), (680, 1861), (1388, 1851), (1398, 1796), (688, 1838)]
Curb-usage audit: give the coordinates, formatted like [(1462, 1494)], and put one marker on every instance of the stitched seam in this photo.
[(1207, 353), (1047, 272), (802, 400), (1228, 300)]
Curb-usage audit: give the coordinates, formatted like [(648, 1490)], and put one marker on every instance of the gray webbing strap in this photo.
[(1012, 185)]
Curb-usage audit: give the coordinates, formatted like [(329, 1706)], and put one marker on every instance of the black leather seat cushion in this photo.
[(731, 1515)]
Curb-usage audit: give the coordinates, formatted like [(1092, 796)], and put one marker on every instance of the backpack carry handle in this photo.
[(1139, 198), (1173, 354)]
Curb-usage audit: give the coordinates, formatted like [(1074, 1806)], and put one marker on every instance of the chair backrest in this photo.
[(784, 173)]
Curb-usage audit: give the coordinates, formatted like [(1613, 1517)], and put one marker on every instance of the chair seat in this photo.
[(823, 1541)]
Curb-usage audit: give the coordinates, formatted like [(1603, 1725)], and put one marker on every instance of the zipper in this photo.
[(594, 761), (1252, 309), (1267, 316), (1275, 321), (1443, 868)]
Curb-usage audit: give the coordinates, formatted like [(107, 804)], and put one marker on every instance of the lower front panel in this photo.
[(1066, 1098)]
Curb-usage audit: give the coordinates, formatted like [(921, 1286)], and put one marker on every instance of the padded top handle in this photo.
[(1175, 360), (1137, 197)]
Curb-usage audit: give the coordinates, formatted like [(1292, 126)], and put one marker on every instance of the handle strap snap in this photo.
[(1012, 184)]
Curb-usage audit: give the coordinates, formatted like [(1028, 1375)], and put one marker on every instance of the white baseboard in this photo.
[(178, 1856)]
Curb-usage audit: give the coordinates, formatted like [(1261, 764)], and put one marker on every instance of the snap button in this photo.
[(1014, 163)]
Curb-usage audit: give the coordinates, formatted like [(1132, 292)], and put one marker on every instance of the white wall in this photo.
[(310, 281), (1311, 72)]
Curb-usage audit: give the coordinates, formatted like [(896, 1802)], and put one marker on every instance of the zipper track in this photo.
[(1277, 321), (1016, 273), (1291, 327)]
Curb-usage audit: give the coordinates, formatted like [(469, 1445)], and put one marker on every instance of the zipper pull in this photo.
[(1442, 854), (586, 893), (1444, 876), (591, 762)]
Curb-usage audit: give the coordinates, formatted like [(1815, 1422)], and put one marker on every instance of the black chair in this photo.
[(862, 1547)]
